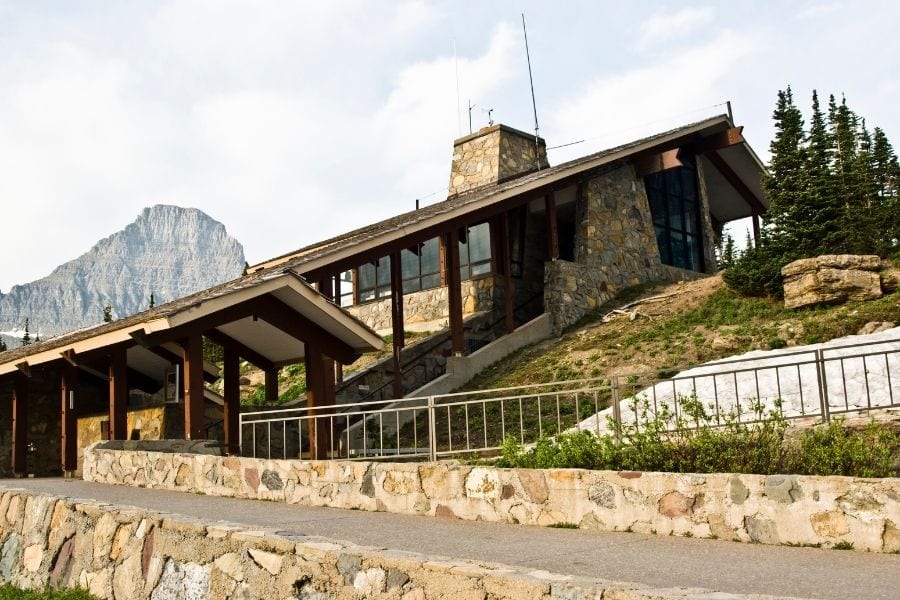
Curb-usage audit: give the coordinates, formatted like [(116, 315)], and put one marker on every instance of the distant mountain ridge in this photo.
[(168, 251)]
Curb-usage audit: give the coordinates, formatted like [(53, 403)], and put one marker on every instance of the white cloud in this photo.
[(626, 106), (419, 119), (663, 26), (412, 16), (815, 10)]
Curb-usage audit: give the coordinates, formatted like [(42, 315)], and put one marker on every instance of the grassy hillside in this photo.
[(677, 326), (663, 327)]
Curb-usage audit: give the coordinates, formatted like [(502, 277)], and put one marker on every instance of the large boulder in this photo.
[(831, 279)]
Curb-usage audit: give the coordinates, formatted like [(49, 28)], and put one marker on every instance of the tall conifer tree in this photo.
[(785, 181)]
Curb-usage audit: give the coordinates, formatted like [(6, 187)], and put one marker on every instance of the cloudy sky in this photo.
[(292, 121)]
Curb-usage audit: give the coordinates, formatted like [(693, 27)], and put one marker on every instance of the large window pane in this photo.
[(430, 257), (409, 264), (479, 243), (384, 271), (366, 276), (672, 195)]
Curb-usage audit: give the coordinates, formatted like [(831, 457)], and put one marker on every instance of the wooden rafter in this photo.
[(647, 164), (724, 139)]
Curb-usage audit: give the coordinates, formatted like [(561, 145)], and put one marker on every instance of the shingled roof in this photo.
[(311, 257), (182, 310)]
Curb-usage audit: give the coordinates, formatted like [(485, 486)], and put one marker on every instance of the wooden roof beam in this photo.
[(724, 139), (647, 164)]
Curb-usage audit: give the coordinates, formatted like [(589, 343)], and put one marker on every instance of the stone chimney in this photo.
[(492, 155)]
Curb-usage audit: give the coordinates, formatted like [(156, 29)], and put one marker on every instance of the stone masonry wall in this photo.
[(615, 247), (149, 422), (491, 155), (427, 306), (776, 509), (133, 554), (43, 436)]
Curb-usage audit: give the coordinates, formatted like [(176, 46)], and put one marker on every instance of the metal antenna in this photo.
[(458, 117), (471, 106), (537, 149)]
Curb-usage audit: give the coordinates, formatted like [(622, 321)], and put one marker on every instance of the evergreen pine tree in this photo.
[(816, 231), (886, 183), (107, 313), (26, 337), (848, 189), (785, 181), (3, 347), (152, 300), (833, 191)]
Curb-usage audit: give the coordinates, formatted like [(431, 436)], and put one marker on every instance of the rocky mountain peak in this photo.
[(168, 251)]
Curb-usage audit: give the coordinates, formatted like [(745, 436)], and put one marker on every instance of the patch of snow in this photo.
[(860, 372)]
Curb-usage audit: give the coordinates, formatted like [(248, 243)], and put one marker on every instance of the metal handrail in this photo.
[(453, 417)]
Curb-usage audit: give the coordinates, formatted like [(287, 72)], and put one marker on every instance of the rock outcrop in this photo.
[(168, 251), (831, 279)]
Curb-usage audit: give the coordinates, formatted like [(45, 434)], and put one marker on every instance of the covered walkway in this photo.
[(269, 320)]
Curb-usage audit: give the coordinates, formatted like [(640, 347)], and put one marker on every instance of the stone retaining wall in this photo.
[(777, 509), (134, 554)]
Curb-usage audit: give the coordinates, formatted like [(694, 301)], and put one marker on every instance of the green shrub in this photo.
[(694, 441), (835, 449), (777, 343), (10, 592), (757, 272)]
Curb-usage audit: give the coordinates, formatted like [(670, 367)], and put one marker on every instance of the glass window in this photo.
[(420, 266), (673, 199), (375, 279), (475, 252)]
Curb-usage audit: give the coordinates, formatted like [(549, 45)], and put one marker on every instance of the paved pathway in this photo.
[(650, 560)]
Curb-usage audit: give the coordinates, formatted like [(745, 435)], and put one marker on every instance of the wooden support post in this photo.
[(231, 376), (69, 446), (397, 322), (317, 396), (330, 287), (271, 386), (454, 299), (755, 218), (194, 425), (552, 227), (509, 289), (20, 425), (118, 393)]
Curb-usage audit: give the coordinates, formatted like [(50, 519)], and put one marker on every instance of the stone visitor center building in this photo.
[(515, 240)]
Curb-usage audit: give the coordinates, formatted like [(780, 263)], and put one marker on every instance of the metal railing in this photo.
[(812, 384)]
